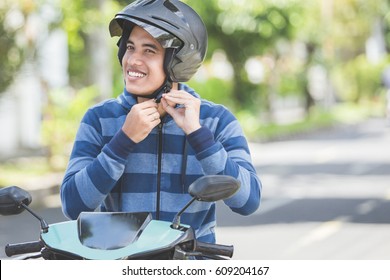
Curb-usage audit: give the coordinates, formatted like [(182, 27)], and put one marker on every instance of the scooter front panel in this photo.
[(158, 235)]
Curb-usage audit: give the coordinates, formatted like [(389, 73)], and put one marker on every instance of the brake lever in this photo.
[(180, 254)]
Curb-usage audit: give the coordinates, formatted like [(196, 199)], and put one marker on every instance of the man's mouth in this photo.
[(135, 74)]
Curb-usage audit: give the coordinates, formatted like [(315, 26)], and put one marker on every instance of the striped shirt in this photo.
[(109, 172)]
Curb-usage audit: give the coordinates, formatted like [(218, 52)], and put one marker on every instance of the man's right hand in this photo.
[(141, 119)]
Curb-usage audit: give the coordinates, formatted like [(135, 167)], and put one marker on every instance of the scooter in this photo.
[(121, 235)]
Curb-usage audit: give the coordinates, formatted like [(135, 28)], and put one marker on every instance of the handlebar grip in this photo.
[(23, 248), (214, 249)]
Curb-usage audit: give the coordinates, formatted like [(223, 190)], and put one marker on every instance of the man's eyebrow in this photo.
[(153, 46)]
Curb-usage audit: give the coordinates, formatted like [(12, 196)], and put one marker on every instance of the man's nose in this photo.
[(135, 58)]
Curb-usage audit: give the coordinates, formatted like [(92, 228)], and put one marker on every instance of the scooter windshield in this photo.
[(110, 230)]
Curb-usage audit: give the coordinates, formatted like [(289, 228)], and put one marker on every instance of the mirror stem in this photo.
[(44, 225), (176, 220)]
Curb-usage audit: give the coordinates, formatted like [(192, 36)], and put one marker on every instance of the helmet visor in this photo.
[(166, 39)]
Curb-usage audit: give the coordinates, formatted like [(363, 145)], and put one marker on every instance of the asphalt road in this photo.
[(326, 196)]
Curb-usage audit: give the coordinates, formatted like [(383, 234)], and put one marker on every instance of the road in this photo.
[(326, 196)]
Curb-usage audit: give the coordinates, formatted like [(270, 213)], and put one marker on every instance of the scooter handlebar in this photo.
[(214, 249), (23, 248)]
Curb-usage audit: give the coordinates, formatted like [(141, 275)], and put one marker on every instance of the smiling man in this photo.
[(141, 151)]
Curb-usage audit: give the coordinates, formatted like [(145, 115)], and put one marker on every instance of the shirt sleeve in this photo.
[(226, 152), (94, 167)]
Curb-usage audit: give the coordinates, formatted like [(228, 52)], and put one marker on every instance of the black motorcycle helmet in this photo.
[(175, 25)]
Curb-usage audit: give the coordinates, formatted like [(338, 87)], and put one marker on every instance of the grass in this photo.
[(341, 114), (20, 171)]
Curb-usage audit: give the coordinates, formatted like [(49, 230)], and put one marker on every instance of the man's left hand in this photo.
[(186, 115)]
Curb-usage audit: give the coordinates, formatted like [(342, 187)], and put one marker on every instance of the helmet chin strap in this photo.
[(157, 94)]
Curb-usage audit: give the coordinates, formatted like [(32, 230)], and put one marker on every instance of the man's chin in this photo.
[(137, 92)]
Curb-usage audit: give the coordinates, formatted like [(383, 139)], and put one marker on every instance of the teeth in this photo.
[(135, 74)]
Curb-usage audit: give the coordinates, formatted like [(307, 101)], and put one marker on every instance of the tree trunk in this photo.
[(100, 72)]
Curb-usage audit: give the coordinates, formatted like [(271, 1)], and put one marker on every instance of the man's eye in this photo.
[(129, 47)]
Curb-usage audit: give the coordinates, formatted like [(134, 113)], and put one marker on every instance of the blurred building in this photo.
[(21, 105)]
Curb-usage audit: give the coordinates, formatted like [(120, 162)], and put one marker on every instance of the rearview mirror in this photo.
[(209, 188), (11, 198), (214, 187)]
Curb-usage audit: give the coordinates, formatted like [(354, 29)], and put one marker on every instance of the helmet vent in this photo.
[(150, 2), (170, 6), (176, 11)]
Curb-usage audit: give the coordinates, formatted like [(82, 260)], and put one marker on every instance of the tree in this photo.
[(13, 39), (341, 38), (86, 23), (244, 29)]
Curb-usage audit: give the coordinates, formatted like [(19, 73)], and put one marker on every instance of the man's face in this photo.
[(142, 63)]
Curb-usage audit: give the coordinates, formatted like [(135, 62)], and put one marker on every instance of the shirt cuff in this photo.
[(121, 145), (201, 139)]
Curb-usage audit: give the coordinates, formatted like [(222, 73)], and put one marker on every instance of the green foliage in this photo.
[(11, 53), (357, 79), (318, 119), (62, 117), (80, 20), (250, 123), (73, 24), (216, 90), (291, 83), (244, 29)]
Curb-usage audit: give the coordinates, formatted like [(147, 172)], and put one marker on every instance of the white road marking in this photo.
[(322, 232)]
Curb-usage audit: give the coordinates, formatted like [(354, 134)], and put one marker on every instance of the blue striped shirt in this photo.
[(108, 171)]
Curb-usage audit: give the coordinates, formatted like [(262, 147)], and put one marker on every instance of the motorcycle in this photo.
[(121, 235)]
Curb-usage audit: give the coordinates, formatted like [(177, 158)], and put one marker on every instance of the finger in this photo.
[(174, 112), (177, 98), (147, 104), (149, 111), (179, 93), (155, 116), (166, 106), (155, 119), (187, 101), (182, 102)]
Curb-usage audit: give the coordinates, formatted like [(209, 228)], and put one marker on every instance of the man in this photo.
[(141, 151)]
